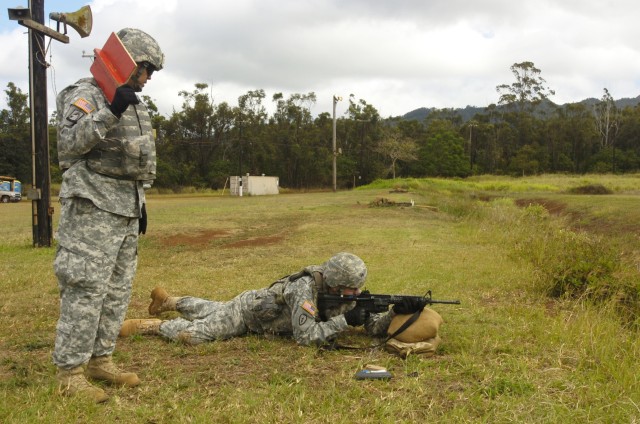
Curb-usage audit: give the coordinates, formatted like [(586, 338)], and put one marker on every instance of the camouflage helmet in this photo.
[(142, 47), (345, 269)]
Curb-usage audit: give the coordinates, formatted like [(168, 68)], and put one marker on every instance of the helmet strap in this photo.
[(135, 78)]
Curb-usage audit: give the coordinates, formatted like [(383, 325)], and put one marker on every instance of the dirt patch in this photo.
[(383, 202), (254, 242), (554, 207), (484, 197), (201, 238), (582, 220)]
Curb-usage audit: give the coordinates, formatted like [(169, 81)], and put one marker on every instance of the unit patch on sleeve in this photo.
[(84, 105), (309, 307)]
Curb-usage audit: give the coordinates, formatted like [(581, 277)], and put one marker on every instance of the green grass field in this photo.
[(513, 351)]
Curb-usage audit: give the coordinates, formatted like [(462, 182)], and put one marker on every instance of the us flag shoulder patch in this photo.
[(84, 105), (309, 307)]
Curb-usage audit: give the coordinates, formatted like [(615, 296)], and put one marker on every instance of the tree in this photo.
[(607, 119), (361, 133), (249, 140), (195, 137), (572, 135), (484, 154), (527, 91), (607, 122), (520, 100), (529, 160), (15, 135), (443, 153), (628, 136), (291, 129), (397, 148), (156, 119)]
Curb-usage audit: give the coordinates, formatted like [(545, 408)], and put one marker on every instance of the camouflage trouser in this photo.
[(95, 264), (204, 320)]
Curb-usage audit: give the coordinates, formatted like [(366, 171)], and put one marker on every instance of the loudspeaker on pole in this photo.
[(81, 20)]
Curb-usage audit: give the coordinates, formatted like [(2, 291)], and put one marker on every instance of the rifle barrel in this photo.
[(383, 297), (446, 302)]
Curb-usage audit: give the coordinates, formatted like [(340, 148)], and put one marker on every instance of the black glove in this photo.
[(142, 221), (355, 317), (410, 305), (124, 97)]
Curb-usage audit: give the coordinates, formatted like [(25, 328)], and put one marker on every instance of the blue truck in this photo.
[(10, 189)]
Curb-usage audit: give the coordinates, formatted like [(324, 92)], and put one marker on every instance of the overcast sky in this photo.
[(397, 55)]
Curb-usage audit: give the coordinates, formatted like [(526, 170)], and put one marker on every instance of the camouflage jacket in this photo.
[(86, 125)]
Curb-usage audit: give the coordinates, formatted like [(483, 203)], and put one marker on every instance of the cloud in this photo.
[(397, 56)]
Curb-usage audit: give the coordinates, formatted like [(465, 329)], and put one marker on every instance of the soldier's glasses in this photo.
[(149, 67)]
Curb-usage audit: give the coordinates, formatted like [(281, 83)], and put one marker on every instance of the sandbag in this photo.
[(424, 328), (425, 348)]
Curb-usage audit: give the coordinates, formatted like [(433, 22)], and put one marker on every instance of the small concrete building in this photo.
[(253, 185)]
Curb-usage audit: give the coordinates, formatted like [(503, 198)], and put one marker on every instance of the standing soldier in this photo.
[(107, 154)]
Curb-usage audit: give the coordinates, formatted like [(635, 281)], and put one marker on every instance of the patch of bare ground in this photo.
[(198, 239), (554, 207), (384, 202), (582, 220), (255, 242), (204, 237)]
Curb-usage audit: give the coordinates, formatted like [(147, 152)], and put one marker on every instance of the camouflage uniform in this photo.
[(287, 307), (97, 236)]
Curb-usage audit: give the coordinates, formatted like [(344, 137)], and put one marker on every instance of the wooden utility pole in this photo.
[(40, 194)]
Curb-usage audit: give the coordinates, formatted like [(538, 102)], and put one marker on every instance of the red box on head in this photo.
[(112, 66)]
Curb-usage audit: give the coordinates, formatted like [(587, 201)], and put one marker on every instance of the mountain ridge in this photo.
[(469, 112)]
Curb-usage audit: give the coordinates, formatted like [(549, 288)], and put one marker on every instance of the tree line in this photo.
[(203, 143)]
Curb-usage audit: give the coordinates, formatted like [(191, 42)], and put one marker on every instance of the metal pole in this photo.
[(472, 125), (41, 201), (335, 153)]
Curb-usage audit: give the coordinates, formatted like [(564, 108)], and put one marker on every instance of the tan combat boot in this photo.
[(103, 368), (140, 326), (72, 382), (161, 301)]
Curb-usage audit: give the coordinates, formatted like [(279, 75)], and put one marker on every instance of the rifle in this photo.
[(373, 303)]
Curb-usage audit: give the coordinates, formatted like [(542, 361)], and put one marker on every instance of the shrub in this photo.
[(569, 263), (578, 263), (590, 189)]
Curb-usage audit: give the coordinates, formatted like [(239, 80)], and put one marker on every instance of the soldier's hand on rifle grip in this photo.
[(124, 97), (356, 317), (410, 305)]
